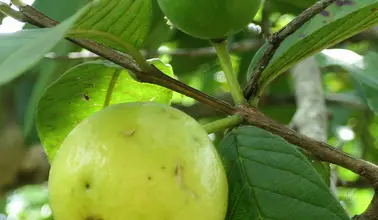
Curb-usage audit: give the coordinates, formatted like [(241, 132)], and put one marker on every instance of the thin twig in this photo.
[(236, 47), (265, 23), (276, 39), (6, 10), (199, 110), (360, 183)]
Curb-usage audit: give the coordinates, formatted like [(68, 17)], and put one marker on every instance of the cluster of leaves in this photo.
[(269, 178)]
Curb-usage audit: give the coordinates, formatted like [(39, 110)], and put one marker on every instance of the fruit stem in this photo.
[(7, 10), (225, 61), (223, 124)]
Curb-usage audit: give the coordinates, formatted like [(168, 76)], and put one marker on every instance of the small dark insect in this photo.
[(325, 13), (86, 97)]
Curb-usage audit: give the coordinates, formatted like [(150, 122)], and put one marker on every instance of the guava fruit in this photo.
[(138, 161), (210, 19)]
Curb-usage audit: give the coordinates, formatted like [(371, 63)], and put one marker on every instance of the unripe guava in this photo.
[(138, 161), (210, 19)]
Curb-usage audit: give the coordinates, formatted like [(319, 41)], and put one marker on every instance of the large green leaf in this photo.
[(339, 21), (88, 88), (116, 23), (362, 68), (22, 50), (270, 179)]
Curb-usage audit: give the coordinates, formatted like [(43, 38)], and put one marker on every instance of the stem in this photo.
[(253, 86), (225, 60), (18, 3), (7, 10), (255, 101), (223, 124), (112, 83)]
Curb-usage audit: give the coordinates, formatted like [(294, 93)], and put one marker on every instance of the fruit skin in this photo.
[(210, 19), (138, 161)]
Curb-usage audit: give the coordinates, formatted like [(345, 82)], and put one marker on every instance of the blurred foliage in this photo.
[(29, 202), (203, 72)]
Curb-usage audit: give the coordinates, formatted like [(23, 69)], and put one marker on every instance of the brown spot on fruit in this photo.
[(180, 181), (87, 186), (149, 178), (197, 140), (178, 170), (129, 132), (178, 174)]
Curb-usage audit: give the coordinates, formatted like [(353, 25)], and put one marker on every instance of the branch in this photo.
[(360, 183), (199, 110), (154, 76), (251, 115), (276, 39), (320, 150)]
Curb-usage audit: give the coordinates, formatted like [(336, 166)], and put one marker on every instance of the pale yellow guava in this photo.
[(138, 161)]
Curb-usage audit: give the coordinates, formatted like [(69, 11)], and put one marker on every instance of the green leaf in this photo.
[(255, 60), (270, 179), (22, 50), (127, 21), (362, 68), (86, 89), (339, 21)]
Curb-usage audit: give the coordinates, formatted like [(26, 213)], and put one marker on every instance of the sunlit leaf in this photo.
[(339, 21), (116, 23), (270, 179), (88, 88)]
